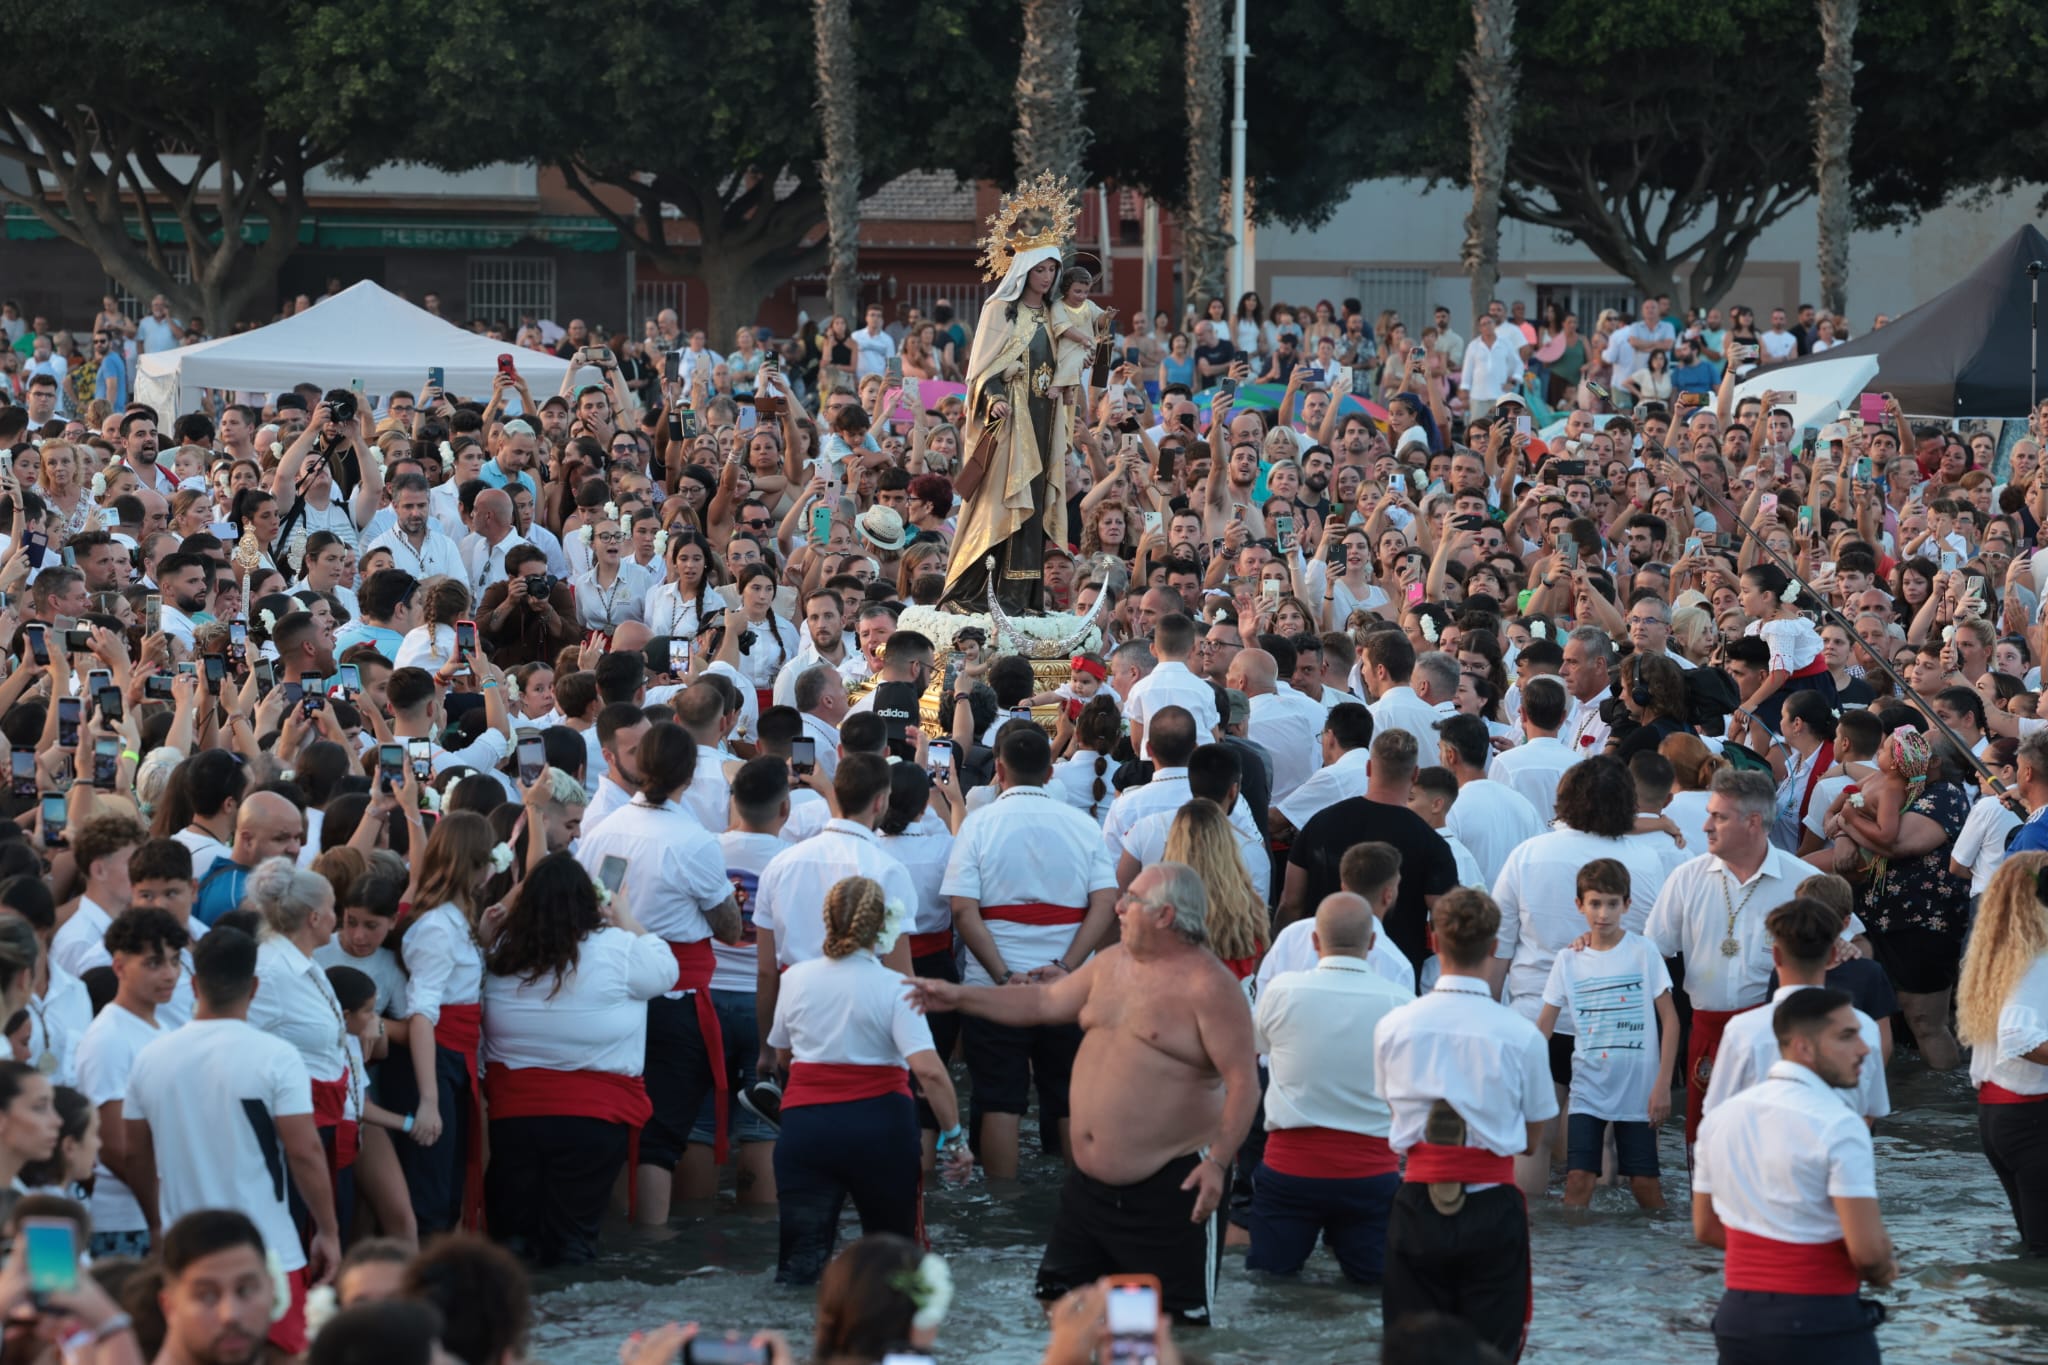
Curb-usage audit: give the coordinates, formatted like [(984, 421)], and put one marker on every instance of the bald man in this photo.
[(491, 533), (266, 826), (1154, 604), (1327, 1170), (1283, 722)]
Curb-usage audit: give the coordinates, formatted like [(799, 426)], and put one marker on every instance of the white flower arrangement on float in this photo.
[(1040, 637)]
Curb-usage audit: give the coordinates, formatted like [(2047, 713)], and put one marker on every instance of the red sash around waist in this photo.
[(1991, 1092), (1767, 1266), (1818, 666), (1035, 912), (928, 945), (459, 1029), (1700, 1047), (1242, 967), (839, 1082), (1330, 1154), (1429, 1163), (330, 1110), (537, 1092), (694, 965)]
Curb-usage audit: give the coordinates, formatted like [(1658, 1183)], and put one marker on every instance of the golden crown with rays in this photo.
[(1042, 212)]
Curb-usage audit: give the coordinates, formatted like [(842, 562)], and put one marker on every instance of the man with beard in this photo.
[(138, 452), (216, 1296), (182, 580), (1316, 465), (416, 546), (824, 642)]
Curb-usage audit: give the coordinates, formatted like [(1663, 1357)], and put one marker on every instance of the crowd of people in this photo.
[(437, 813)]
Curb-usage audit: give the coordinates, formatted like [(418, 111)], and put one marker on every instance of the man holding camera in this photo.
[(526, 614)]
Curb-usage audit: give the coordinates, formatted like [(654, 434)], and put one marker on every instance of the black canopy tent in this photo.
[(1964, 352)]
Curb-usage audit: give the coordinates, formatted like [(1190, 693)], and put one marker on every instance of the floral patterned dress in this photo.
[(1920, 892)]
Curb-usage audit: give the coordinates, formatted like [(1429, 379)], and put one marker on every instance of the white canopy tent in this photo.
[(364, 332), (1821, 388)]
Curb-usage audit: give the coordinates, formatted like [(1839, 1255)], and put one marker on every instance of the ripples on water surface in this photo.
[(1615, 1285)]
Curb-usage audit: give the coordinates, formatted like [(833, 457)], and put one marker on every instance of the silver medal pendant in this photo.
[(1729, 947)]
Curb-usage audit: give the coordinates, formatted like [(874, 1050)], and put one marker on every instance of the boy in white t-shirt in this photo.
[(1618, 996)]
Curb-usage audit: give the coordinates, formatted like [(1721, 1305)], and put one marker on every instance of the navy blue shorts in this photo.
[(1755, 1328), (742, 1032), (1635, 1145), (1289, 1212)]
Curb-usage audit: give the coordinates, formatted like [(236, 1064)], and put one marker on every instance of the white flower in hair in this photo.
[(933, 1292), (501, 857), (611, 511), (269, 620), (1791, 591), (895, 920), (1948, 634), (589, 532), (99, 485), (321, 1306), (1429, 630), (1539, 630), (447, 454), (660, 544)]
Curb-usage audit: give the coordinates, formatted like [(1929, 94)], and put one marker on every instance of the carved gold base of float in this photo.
[(1049, 642)]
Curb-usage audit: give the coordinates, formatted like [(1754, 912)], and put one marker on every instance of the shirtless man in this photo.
[(1164, 1089)]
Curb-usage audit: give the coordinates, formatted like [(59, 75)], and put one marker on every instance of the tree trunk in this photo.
[(1203, 238), (1834, 120), (1490, 120), (1051, 134), (839, 172)]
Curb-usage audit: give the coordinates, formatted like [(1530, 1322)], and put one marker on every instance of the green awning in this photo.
[(362, 229)]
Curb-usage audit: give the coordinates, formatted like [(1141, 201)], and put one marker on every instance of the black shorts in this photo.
[(1004, 1062), (1918, 961), (1139, 1229), (1561, 1046)]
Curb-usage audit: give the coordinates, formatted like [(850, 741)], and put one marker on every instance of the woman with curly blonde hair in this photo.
[(2002, 1016), (849, 1038), (1202, 837)]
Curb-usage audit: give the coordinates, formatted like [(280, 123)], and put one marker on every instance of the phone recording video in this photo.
[(24, 762), (803, 756), (106, 761), (533, 757), (70, 710), (611, 873), (390, 766)]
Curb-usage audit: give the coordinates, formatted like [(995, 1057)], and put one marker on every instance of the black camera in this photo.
[(746, 642), (341, 405), (539, 586)]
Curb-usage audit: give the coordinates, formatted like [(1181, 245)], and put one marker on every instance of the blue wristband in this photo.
[(951, 1136), (407, 1128)]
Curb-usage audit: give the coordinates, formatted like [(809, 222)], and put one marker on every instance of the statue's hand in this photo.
[(998, 410), (1014, 372)]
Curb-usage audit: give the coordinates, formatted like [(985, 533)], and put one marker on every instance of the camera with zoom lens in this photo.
[(539, 586), (341, 405)]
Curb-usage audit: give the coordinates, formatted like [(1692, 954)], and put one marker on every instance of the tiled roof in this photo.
[(922, 196)]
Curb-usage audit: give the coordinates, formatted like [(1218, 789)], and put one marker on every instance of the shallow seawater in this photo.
[(1613, 1284)]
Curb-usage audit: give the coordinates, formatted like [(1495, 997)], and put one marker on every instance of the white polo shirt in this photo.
[(675, 873), (609, 797), (196, 1087), (1325, 787), (1584, 733), (1290, 728), (850, 1010), (437, 556), (709, 795), (595, 1021), (1458, 1044), (1294, 950), (790, 900), (1532, 771), (1492, 819), (1776, 1156), (1173, 683), (296, 1003), (1313, 1025), (1691, 919), (1398, 708), (1749, 1046), (1027, 847), (1167, 791), (2022, 1027)]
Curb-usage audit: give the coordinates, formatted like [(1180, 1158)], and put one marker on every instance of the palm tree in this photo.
[(1490, 118), (839, 173), (1051, 134), (1834, 122), (1203, 236)]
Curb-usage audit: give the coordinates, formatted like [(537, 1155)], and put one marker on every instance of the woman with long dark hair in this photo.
[(565, 994), (850, 1040), (881, 1296)]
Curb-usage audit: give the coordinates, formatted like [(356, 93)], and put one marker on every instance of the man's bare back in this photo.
[(1146, 1088)]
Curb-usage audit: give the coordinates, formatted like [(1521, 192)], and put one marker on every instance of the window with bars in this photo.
[(651, 296), (503, 287), (180, 262), (966, 301), (1404, 291)]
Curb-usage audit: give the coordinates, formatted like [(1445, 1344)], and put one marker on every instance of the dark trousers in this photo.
[(1144, 1228), (2015, 1138), (866, 1150), (343, 1185), (1473, 1265), (945, 1026), (1289, 1212), (549, 1180), (678, 1075), (1752, 1328), (434, 1176)]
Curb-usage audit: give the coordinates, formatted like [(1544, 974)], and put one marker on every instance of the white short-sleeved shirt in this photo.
[(1290, 727), (1325, 787), (2022, 1027), (1027, 847), (437, 557), (1167, 791), (1294, 950), (850, 1010), (709, 795), (595, 1021), (1311, 1025), (1492, 819), (925, 852), (1173, 683), (1532, 771), (57, 1021), (1612, 995), (205, 848), (1457, 1044), (790, 900), (1398, 708), (675, 872), (212, 1093), (1793, 643), (442, 963), (1145, 841), (1073, 781), (1537, 891), (106, 1057), (79, 944), (1776, 1156), (1981, 845), (1749, 1046), (381, 966), (296, 1003)]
